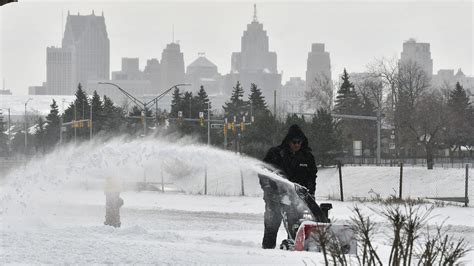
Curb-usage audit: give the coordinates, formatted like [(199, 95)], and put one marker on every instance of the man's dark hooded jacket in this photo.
[(299, 168)]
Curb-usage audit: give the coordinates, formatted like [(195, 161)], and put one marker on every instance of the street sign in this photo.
[(217, 125)]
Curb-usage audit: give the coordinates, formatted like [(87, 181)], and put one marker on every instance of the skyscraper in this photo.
[(419, 53), (318, 64), (172, 66), (84, 52), (60, 71), (255, 63)]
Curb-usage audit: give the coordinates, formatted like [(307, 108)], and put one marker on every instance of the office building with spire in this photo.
[(254, 63), (84, 55)]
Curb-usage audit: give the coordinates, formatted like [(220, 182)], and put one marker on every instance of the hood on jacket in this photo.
[(295, 132)]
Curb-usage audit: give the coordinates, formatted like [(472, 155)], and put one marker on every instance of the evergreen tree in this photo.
[(460, 127), (236, 104), (78, 110), (113, 117), (325, 138), (176, 102), (135, 122), (202, 99), (3, 138), (39, 136), (347, 100), (257, 101), (97, 113), (349, 103), (187, 105), (52, 126)]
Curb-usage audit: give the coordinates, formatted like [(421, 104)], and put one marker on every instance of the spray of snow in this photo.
[(180, 163)]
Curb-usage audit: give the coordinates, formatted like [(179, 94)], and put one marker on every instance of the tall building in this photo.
[(130, 70), (419, 53), (172, 66), (292, 96), (203, 72), (255, 63), (61, 72), (84, 54), (318, 64), (446, 79), (152, 72)]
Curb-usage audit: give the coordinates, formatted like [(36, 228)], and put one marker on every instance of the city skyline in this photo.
[(131, 33)]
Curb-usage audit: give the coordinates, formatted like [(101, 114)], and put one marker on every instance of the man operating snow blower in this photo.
[(294, 159)]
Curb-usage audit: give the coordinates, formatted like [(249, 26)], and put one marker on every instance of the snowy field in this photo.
[(52, 210)]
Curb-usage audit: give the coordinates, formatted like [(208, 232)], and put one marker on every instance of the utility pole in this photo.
[(26, 127), (9, 139), (90, 125), (75, 128), (209, 123)]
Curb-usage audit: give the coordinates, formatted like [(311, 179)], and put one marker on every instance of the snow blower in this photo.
[(307, 223)]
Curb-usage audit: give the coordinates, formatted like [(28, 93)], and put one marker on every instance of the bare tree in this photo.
[(320, 93), (424, 118), (386, 69)]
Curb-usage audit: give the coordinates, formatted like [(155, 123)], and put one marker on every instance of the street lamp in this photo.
[(26, 126), (143, 105)]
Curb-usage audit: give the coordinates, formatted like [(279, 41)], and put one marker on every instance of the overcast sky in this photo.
[(355, 32)]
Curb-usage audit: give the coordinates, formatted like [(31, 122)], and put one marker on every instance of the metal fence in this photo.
[(443, 162)]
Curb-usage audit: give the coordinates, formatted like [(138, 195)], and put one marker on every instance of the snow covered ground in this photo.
[(52, 210)]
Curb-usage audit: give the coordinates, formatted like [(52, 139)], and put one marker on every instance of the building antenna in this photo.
[(172, 33), (255, 13)]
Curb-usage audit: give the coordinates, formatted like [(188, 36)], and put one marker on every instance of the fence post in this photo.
[(339, 166), (162, 181), (205, 180), (466, 199), (242, 182), (401, 181)]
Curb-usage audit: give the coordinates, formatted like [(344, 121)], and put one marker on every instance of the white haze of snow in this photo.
[(52, 209)]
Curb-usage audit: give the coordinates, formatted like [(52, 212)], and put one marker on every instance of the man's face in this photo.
[(295, 145)]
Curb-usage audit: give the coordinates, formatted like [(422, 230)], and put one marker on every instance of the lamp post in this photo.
[(143, 105), (26, 127)]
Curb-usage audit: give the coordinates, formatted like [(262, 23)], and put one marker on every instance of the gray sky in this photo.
[(355, 32)]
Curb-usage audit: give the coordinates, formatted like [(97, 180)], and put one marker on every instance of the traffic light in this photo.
[(242, 126), (89, 123), (201, 118)]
